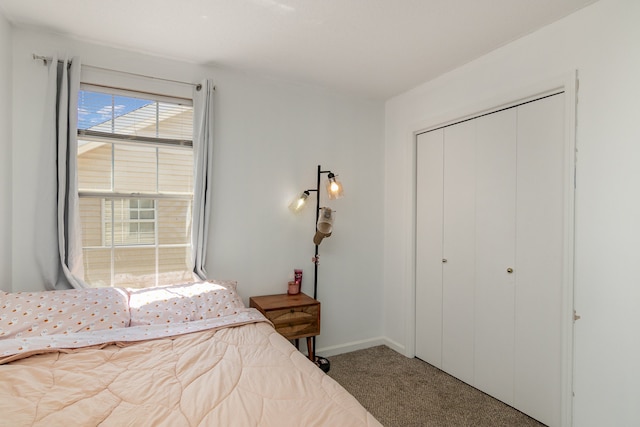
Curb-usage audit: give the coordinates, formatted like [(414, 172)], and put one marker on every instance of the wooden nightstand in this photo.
[(294, 316)]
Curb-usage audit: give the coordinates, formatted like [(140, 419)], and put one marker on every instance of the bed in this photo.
[(184, 355)]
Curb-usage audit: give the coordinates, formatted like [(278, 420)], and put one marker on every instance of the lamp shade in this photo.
[(334, 187), (298, 204)]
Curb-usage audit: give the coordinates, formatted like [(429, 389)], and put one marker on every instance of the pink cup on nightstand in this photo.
[(294, 288)]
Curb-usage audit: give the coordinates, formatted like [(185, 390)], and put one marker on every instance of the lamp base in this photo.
[(323, 363)]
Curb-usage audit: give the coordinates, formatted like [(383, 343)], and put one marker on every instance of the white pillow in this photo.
[(183, 303)]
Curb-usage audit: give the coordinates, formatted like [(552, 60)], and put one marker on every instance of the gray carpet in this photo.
[(403, 392)]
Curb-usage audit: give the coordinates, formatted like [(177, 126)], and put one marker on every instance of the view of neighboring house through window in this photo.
[(135, 180)]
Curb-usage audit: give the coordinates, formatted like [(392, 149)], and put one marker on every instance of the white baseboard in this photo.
[(396, 347), (359, 345)]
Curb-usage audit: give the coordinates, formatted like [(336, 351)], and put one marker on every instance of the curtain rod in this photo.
[(47, 59)]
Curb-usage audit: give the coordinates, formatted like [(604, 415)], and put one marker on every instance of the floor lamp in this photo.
[(323, 229)]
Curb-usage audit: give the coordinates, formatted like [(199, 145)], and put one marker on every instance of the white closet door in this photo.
[(540, 207), (459, 250), (429, 191), (495, 253)]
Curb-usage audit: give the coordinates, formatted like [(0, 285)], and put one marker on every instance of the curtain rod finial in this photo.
[(44, 59)]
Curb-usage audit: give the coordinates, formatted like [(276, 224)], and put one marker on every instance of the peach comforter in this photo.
[(183, 355), (238, 375)]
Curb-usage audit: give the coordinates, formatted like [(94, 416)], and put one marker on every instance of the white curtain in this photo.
[(203, 169), (60, 267)]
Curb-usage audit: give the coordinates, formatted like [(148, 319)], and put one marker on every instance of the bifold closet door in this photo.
[(539, 259), (445, 249), (429, 191), (459, 250), (490, 253), (495, 217)]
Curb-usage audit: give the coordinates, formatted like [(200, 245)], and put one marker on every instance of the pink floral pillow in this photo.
[(218, 298), (183, 303), (163, 304), (25, 314)]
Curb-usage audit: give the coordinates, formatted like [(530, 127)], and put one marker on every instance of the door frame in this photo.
[(569, 84)]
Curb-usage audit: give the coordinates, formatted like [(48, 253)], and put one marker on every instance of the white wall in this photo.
[(5, 154), (603, 43), (270, 136)]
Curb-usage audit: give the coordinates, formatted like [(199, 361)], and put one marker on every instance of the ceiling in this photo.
[(372, 48)]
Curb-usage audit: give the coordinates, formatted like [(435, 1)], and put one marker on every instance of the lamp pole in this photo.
[(322, 362), (315, 256)]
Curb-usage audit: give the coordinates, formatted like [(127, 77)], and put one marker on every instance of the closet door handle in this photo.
[(509, 270), (444, 260)]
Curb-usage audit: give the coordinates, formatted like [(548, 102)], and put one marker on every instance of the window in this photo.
[(135, 180), (142, 221), (129, 221)]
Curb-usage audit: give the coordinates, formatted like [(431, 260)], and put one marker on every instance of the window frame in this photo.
[(139, 221), (112, 196)]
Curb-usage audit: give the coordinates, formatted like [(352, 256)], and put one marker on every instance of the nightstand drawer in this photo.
[(294, 316), (296, 322)]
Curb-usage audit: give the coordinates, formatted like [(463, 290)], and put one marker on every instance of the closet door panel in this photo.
[(429, 193), (495, 253), (539, 258), (459, 251)]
